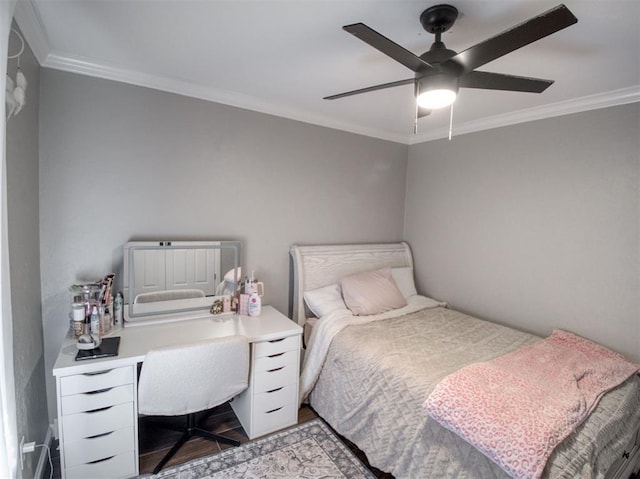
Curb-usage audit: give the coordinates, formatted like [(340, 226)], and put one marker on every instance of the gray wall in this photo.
[(121, 162), (534, 225), (24, 261)]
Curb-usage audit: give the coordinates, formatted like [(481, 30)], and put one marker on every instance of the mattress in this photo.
[(376, 377)]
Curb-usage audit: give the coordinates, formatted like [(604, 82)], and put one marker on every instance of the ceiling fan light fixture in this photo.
[(437, 91), (434, 99)]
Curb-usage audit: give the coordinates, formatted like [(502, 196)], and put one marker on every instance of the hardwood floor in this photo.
[(156, 441)]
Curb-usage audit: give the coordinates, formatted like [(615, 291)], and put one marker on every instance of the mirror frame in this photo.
[(175, 307)]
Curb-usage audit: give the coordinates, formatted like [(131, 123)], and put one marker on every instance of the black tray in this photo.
[(108, 347)]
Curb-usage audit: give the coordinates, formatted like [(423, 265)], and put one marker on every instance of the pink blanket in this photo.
[(517, 408)]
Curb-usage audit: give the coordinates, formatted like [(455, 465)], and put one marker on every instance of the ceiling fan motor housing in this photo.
[(438, 54), (437, 20)]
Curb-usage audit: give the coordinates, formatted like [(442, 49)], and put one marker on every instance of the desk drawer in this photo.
[(92, 423), (92, 400), (270, 420), (104, 446), (280, 373), (275, 398), (81, 383), (276, 361), (266, 348), (118, 466)]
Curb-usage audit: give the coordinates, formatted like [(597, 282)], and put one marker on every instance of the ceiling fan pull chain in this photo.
[(450, 122), (417, 110)]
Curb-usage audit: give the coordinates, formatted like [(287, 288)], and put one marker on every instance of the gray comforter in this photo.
[(376, 377)]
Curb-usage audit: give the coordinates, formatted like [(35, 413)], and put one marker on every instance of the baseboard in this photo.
[(42, 458)]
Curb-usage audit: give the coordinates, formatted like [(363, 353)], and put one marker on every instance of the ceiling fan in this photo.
[(440, 72)]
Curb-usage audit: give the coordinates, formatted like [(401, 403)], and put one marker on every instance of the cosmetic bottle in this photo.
[(102, 325), (255, 304), (107, 320), (118, 309), (95, 321), (226, 304)]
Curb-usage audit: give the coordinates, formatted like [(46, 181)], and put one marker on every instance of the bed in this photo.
[(369, 377)]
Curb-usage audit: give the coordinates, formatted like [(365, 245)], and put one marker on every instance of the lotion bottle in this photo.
[(255, 304)]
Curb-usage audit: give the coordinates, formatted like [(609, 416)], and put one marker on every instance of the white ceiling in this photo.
[(282, 57)]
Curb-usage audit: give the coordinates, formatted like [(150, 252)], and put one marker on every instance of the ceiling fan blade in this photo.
[(388, 47), (392, 84), (528, 32), (498, 81)]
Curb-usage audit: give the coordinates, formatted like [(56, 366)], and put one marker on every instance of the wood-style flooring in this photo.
[(156, 441)]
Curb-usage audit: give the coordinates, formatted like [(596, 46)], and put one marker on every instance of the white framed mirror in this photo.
[(170, 278)]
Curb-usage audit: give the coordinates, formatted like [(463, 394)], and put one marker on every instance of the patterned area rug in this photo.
[(309, 450)]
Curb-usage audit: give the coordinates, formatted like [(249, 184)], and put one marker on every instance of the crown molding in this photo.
[(576, 105), (226, 97), (238, 100), (28, 20)]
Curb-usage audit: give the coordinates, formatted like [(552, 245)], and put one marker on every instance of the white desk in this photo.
[(97, 398)]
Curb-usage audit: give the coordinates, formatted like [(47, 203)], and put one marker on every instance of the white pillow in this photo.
[(324, 300), (404, 279)]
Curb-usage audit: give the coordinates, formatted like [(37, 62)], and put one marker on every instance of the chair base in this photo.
[(191, 429)]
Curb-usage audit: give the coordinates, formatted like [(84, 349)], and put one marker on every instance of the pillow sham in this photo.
[(404, 279), (324, 300), (372, 292)]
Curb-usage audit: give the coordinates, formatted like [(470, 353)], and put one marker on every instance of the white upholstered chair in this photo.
[(189, 378)]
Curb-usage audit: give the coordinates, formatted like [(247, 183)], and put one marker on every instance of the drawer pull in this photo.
[(99, 391), (274, 370), (274, 410), (275, 355), (275, 390), (277, 340), (100, 435), (96, 373), (98, 410), (101, 460)]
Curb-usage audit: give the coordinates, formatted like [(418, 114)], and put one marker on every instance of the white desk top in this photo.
[(136, 341)]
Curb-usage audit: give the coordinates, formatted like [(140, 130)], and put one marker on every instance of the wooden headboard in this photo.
[(321, 265)]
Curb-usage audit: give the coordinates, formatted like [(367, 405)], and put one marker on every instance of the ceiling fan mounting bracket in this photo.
[(439, 18)]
